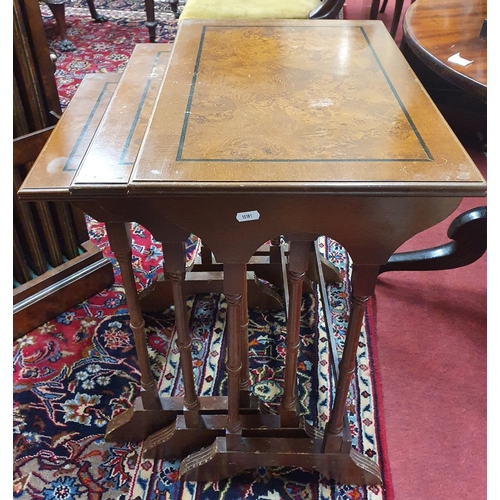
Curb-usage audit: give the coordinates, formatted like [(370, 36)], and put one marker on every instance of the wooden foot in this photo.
[(137, 423), (178, 440), (218, 461)]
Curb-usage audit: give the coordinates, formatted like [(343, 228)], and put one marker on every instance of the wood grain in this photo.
[(294, 104), (438, 29)]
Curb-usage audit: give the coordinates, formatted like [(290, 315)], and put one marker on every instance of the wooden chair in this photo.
[(55, 264), (468, 235), (58, 9), (398, 9), (262, 9)]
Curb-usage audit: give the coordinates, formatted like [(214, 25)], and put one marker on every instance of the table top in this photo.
[(438, 29), (275, 106)]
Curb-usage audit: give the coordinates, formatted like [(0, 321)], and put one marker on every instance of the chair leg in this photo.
[(174, 6), (468, 235), (98, 18), (374, 9), (384, 5), (398, 9), (58, 11)]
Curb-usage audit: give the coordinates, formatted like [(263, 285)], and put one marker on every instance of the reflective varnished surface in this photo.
[(328, 106), (282, 105), (438, 29), (277, 117), (120, 127)]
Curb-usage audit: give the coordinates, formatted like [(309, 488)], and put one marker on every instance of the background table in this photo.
[(437, 29)]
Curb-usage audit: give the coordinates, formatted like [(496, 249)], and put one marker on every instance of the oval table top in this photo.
[(438, 29)]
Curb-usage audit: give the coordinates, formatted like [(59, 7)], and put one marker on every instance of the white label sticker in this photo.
[(246, 216), (458, 59)]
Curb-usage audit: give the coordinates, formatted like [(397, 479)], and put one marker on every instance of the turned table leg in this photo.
[(120, 242), (150, 413), (243, 347), (362, 286), (234, 285), (267, 440), (297, 267), (175, 267)]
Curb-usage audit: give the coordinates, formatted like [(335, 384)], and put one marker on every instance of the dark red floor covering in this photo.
[(431, 350)]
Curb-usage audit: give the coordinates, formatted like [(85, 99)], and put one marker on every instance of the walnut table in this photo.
[(260, 129), (436, 29)]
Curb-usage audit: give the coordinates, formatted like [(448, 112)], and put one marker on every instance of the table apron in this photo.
[(370, 228)]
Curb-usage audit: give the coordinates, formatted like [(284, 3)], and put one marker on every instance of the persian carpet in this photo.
[(102, 47), (76, 372)]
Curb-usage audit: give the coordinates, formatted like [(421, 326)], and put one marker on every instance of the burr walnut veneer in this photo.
[(262, 129)]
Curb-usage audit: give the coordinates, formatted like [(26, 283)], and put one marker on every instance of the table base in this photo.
[(224, 458), (137, 423), (179, 440), (201, 435)]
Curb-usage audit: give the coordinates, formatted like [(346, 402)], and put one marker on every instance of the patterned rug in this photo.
[(76, 372), (102, 47)]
